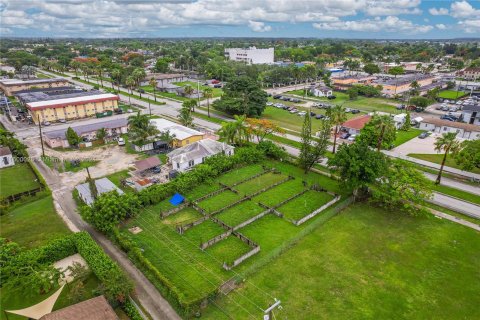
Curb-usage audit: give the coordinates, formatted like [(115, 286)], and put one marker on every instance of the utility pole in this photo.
[(41, 137), (268, 314), (198, 92)]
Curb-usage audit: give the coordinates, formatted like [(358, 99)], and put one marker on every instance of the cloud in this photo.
[(438, 12), (470, 26), (392, 8), (441, 26), (258, 26), (463, 9), (388, 24)]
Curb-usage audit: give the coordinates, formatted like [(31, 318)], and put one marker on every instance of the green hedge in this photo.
[(131, 311)]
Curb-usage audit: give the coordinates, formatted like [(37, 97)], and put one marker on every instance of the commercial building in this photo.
[(345, 82), (185, 158), (400, 85), (463, 130), (70, 108), (471, 73), (251, 55), (113, 128), (10, 86)]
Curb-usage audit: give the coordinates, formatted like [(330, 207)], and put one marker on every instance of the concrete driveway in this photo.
[(417, 145)]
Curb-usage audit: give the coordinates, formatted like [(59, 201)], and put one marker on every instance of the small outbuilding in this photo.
[(6, 157), (103, 185)]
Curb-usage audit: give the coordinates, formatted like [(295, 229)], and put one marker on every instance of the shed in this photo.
[(6, 157), (148, 163), (103, 185)]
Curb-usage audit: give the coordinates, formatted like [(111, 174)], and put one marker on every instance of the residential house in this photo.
[(113, 128), (321, 91), (463, 130), (471, 73), (354, 125), (163, 78), (6, 157), (102, 185), (471, 114), (185, 158), (399, 120), (183, 135)]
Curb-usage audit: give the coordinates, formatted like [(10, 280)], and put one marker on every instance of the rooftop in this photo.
[(357, 123), (58, 103), (199, 149), (445, 123), (52, 94), (5, 151), (148, 163), (103, 185), (406, 79), (92, 309), (164, 76), (87, 128), (180, 132), (14, 82)]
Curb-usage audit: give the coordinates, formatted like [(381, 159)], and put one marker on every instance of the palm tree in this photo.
[(188, 90), (395, 71), (153, 83), (235, 132), (208, 93), (140, 129), (190, 103), (129, 82), (99, 70), (116, 75), (138, 75), (448, 144), (185, 114), (75, 65), (337, 116)]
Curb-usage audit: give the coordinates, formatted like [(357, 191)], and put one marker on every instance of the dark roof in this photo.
[(471, 107), (147, 163), (68, 92), (5, 151), (92, 309), (87, 128)]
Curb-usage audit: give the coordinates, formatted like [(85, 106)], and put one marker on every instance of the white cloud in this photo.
[(463, 9), (392, 8), (470, 26), (258, 26), (388, 24), (441, 26), (438, 12)]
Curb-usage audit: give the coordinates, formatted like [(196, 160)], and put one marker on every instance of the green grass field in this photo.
[(16, 179), (33, 224), (451, 94), (404, 136), (195, 273), (367, 263), (437, 158), (304, 204)]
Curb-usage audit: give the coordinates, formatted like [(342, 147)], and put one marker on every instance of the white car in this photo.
[(301, 113), (121, 141), (348, 110), (352, 137), (269, 103)]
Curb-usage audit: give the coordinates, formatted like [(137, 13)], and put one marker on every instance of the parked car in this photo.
[(121, 141), (45, 123), (344, 135), (448, 118), (141, 90), (331, 97), (277, 96), (319, 116), (355, 111), (217, 85), (312, 114), (424, 134), (269, 103), (301, 113), (348, 110), (62, 120), (352, 137)]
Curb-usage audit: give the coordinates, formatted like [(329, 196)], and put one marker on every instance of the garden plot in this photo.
[(203, 232), (240, 174), (228, 249), (183, 217), (304, 204), (260, 182), (281, 192), (219, 201), (240, 213)]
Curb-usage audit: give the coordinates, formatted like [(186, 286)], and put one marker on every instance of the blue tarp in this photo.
[(177, 199)]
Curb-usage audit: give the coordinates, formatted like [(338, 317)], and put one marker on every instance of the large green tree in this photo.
[(242, 95), (72, 137), (379, 132), (469, 156), (311, 151)]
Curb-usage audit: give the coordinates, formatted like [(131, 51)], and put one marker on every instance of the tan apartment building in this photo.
[(402, 84), (344, 82), (10, 86), (72, 108)]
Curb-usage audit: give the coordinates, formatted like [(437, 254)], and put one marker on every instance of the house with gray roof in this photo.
[(185, 158), (103, 185)]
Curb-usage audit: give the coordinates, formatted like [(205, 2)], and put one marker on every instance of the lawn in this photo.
[(437, 158), (304, 204), (21, 298), (66, 165), (16, 179), (404, 136), (33, 224), (367, 263), (284, 191), (451, 94), (195, 273), (457, 193), (258, 183)]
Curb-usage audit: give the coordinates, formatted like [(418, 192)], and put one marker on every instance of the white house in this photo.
[(399, 120), (6, 157), (251, 55), (321, 91), (463, 130), (103, 185), (185, 158)]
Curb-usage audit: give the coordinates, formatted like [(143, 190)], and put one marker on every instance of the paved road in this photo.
[(454, 184), (147, 294), (455, 204)]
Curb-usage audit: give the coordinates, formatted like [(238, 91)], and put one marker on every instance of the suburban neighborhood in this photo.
[(326, 169)]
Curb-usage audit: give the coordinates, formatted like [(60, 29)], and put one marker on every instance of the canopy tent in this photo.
[(177, 199), (40, 309)]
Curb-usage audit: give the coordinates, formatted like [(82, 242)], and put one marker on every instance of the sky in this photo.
[(365, 19)]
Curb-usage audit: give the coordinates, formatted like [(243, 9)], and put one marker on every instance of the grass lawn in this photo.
[(366, 263), (259, 183), (67, 166), (437, 158), (16, 179), (117, 177), (404, 136), (183, 217), (304, 204), (281, 192), (23, 298), (195, 273), (451, 94), (33, 224)]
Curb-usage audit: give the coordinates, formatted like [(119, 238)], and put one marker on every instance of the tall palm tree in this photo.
[(448, 144), (337, 116), (138, 75), (140, 129), (188, 90), (75, 65), (130, 82), (208, 94), (185, 114), (116, 76), (153, 83)]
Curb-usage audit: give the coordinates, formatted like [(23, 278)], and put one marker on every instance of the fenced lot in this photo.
[(237, 227), (16, 179)]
